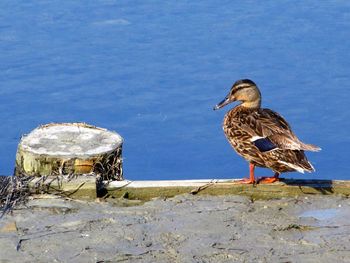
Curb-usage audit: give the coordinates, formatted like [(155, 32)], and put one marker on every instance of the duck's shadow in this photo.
[(325, 187)]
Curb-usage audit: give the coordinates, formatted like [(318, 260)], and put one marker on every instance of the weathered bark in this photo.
[(70, 148)]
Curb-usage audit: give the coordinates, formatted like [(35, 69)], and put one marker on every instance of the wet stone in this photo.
[(181, 229)]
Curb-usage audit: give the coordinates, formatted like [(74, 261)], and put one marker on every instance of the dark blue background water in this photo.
[(153, 70)]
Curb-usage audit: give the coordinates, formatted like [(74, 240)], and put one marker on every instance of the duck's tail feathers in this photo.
[(310, 147), (301, 168)]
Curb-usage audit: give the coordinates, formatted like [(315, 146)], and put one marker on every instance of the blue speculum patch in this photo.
[(264, 144)]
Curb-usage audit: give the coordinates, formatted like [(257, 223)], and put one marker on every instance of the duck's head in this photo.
[(243, 90)]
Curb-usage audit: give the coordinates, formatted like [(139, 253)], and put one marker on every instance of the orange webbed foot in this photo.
[(245, 181), (268, 180)]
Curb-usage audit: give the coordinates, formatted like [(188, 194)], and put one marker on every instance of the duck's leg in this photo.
[(269, 180), (251, 179)]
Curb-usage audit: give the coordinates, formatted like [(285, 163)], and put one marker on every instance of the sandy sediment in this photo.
[(181, 229)]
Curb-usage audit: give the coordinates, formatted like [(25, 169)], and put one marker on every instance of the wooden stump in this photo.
[(70, 148)]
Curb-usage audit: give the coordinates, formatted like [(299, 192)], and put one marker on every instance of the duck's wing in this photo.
[(269, 131)]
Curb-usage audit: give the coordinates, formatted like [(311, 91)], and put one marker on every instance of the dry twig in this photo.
[(13, 191)]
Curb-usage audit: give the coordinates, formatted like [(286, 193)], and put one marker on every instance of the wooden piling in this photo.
[(70, 148)]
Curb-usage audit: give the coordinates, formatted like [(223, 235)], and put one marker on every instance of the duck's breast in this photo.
[(240, 139)]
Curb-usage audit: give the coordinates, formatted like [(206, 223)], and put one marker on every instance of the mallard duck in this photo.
[(262, 136)]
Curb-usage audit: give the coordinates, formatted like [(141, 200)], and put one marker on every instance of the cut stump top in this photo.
[(70, 140)]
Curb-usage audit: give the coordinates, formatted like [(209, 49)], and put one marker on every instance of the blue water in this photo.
[(321, 214), (153, 70)]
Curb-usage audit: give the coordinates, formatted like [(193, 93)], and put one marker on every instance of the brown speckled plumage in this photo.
[(262, 136), (242, 124)]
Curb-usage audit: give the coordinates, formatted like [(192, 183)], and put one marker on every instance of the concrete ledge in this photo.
[(84, 187), (81, 187), (146, 190)]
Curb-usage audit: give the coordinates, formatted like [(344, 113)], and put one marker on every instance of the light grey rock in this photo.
[(181, 229)]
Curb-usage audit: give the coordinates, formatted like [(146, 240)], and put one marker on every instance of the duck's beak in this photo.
[(222, 103)]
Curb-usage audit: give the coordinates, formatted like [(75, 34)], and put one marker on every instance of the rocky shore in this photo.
[(185, 228)]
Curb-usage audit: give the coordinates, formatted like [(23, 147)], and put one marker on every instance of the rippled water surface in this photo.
[(153, 70)]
